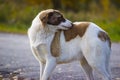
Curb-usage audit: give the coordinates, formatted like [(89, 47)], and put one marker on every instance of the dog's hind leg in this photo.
[(87, 68), (103, 67), (49, 67), (98, 58), (105, 74)]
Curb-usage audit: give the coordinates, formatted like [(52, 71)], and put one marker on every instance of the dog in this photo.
[(56, 40)]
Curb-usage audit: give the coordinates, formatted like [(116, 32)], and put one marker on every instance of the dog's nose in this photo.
[(72, 24)]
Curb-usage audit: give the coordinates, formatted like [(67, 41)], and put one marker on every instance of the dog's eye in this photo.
[(50, 14), (61, 19)]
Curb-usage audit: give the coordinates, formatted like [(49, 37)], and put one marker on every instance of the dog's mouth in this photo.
[(68, 27), (67, 24)]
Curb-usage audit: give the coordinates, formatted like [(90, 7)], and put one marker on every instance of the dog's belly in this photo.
[(70, 51)]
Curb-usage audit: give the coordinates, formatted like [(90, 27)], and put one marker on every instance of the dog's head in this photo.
[(55, 19)]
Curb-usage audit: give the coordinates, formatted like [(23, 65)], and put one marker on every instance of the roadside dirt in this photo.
[(17, 61)]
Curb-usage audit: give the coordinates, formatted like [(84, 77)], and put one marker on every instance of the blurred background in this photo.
[(16, 15)]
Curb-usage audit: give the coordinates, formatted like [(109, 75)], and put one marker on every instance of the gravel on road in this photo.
[(17, 61)]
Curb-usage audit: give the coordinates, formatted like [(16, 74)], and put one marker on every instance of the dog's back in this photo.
[(89, 44), (80, 40)]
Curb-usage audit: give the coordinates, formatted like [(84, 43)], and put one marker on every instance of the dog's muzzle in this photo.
[(67, 24)]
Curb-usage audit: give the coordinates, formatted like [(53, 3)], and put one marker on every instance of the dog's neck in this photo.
[(49, 29)]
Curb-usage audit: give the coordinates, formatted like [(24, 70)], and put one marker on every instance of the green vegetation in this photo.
[(110, 24), (16, 16)]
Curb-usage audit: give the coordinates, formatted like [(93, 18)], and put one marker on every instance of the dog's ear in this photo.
[(44, 18)]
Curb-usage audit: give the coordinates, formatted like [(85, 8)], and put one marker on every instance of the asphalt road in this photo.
[(17, 61)]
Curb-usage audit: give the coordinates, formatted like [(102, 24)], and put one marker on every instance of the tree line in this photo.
[(73, 5), (19, 11)]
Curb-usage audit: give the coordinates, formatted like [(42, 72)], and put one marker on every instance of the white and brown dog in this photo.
[(55, 40)]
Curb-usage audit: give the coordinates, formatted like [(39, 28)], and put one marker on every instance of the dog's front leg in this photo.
[(42, 66), (49, 67)]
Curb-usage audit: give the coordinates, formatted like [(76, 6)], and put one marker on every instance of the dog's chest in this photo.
[(57, 46), (42, 38), (65, 51)]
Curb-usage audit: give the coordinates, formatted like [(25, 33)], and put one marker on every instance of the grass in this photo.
[(112, 28), (110, 23), (17, 29)]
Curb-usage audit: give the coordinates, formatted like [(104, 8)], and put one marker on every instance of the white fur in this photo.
[(89, 48)]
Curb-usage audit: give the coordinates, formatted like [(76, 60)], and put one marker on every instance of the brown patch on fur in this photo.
[(83, 61), (55, 45), (44, 16), (77, 29), (104, 37)]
